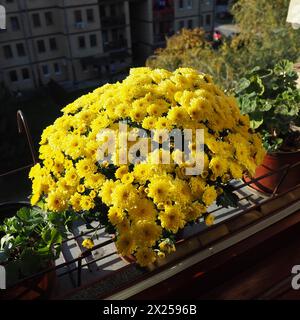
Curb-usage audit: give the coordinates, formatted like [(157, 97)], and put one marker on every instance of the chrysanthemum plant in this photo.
[(142, 198)]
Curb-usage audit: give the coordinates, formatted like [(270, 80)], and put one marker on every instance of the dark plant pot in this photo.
[(283, 179), (40, 287), (37, 288)]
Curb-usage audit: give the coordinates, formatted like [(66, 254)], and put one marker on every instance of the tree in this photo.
[(264, 39)]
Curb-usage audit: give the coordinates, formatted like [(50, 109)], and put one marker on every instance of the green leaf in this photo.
[(55, 236), (24, 214), (242, 85), (256, 120), (228, 198)]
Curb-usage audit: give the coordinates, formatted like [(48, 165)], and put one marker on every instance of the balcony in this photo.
[(115, 45), (164, 13), (110, 22)]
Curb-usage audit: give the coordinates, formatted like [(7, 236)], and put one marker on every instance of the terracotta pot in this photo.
[(285, 180), (37, 288)]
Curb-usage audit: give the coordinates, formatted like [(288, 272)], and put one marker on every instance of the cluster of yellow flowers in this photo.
[(146, 203)]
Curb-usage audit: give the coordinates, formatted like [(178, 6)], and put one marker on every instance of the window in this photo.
[(15, 25), (190, 24), (102, 11), (189, 4), (77, 16), (84, 67), (93, 40), (56, 68), (201, 21), (7, 52), (114, 34), (105, 36), (25, 74), (208, 19), (181, 24), (36, 20), (21, 50), (45, 69), (90, 15), (13, 76), (81, 42), (52, 44), (112, 10), (49, 18), (180, 4), (41, 46)]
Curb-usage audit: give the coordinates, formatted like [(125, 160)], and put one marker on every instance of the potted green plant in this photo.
[(272, 100), (30, 242)]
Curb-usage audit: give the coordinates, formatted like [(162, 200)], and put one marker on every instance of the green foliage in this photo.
[(227, 198), (264, 38), (272, 101), (32, 238)]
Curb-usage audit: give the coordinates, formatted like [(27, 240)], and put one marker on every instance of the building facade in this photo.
[(153, 20), (68, 41), (75, 41)]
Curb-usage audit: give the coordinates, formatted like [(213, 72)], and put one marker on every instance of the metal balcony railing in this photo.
[(100, 272), (109, 22), (115, 45)]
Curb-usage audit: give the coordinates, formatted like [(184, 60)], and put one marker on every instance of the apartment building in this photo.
[(68, 41), (153, 20)]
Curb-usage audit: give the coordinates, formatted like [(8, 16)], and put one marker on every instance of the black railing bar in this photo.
[(82, 252), (221, 207), (23, 126), (287, 166), (100, 258), (84, 265), (80, 257), (81, 234), (68, 267), (87, 253), (15, 171)]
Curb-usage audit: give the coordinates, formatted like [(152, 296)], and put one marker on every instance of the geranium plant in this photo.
[(272, 100), (144, 203), (30, 241)]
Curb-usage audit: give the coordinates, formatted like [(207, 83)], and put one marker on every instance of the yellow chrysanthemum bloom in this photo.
[(145, 256), (126, 244), (143, 210), (209, 195), (124, 196), (172, 218), (159, 190), (146, 232), (116, 215), (56, 201), (88, 243)]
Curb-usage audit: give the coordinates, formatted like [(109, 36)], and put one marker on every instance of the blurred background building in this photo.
[(154, 20), (72, 42), (67, 41)]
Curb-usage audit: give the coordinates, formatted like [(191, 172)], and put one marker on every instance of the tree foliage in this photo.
[(264, 39)]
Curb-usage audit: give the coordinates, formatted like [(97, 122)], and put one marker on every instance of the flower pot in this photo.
[(283, 179), (11, 288), (40, 287)]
